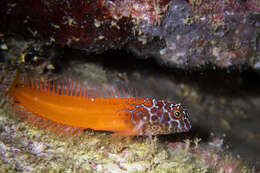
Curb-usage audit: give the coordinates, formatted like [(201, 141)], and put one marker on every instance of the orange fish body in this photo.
[(68, 109)]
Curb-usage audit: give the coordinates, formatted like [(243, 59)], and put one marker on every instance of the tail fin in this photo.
[(15, 84)]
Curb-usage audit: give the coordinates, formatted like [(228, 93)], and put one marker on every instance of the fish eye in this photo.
[(177, 114)]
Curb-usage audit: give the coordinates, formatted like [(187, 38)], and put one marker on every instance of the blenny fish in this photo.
[(69, 108)]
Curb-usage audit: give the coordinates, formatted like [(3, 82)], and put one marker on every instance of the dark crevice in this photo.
[(232, 82)]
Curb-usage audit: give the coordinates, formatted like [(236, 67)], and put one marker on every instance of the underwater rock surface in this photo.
[(24, 147), (223, 105), (179, 33), (47, 38)]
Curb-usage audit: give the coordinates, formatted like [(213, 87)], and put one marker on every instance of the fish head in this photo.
[(167, 119)]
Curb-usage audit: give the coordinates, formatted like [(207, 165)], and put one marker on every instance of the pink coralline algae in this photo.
[(90, 25), (150, 11), (222, 33), (213, 155), (182, 33)]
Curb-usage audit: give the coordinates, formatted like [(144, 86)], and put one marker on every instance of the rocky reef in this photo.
[(179, 33), (204, 54), (24, 147)]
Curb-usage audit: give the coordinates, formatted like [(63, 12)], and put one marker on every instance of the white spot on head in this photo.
[(92, 99)]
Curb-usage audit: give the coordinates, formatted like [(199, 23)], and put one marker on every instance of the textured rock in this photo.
[(90, 25), (223, 34), (218, 101), (180, 33)]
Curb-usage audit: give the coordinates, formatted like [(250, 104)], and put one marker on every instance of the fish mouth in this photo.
[(183, 130)]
